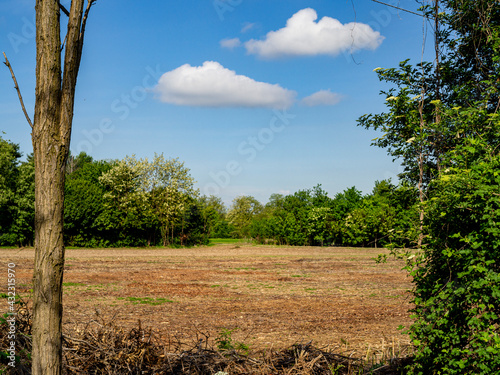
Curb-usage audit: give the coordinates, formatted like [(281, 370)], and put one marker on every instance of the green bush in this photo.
[(457, 295)]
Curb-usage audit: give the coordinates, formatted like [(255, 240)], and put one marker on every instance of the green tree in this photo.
[(76, 162), (410, 133), (214, 213), (169, 187), (452, 146), (9, 172), (319, 228), (127, 216), (405, 204), (142, 194), (24, 203), (342, 205), (17, 196), (370, 223), (345, 202), (192, 231), (457, 276), (243, 210), (84, 203)]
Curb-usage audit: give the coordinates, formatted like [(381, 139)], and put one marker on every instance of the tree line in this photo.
[(141, 202)]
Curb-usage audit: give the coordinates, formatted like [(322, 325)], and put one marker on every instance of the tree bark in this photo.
[(54, 102), (420, 186)]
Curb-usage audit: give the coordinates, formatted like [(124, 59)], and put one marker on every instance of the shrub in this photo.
[(457, 295)]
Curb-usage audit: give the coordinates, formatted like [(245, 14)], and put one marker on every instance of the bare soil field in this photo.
[(271, 296)]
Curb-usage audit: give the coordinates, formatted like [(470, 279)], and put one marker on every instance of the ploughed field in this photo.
[(270, 296)]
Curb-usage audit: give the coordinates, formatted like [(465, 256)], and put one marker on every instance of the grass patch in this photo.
[(226, 241), (147, 300), (74, 284)]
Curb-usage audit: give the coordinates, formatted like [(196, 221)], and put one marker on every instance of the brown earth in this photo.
[(271, 296)]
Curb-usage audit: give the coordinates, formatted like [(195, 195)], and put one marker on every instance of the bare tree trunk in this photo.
[(421, 197), (165, 233), (438, 136), (50, 157), (421, 194), (55, 93)]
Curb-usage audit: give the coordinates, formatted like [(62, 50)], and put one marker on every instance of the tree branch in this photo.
[(74, 45), (84, 23), (64, 10), (7, 63)]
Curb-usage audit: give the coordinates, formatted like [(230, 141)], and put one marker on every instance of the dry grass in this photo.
[(300, 310)]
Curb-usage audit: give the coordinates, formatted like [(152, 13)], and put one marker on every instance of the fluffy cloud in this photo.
[(302, 36), (322, 97), (230, 43), (212, 85)]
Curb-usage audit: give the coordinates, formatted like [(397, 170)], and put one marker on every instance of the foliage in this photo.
[(310, 217), (84, 203), (24, 203), (125, 217), (443, 125), (457, 276), (121, 203), (134, 202), (241, 213), (16, 196), (193, 231), (9, 155), (408, 124), (168, 187), (225, 342), (214, 216), (144, 195)]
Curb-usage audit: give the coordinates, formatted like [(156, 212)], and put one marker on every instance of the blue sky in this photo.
[(255, 96)]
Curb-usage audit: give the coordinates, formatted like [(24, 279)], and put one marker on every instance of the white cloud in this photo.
[(303, 37), (212, 85), (230, 43), (322, 97), (247, 27)]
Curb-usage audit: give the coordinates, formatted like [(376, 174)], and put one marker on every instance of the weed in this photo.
[(335, 369), (226, 343)]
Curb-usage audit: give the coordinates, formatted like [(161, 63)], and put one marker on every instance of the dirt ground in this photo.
[(271, 296)]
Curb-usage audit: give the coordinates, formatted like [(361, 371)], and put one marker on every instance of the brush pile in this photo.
[(101, 347)]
